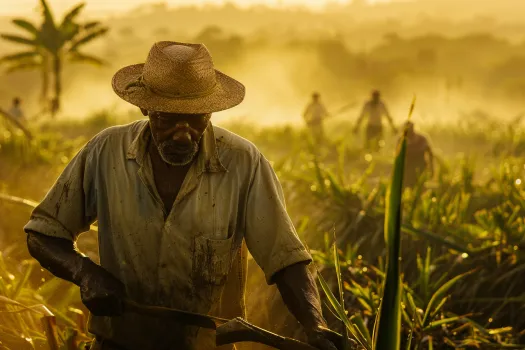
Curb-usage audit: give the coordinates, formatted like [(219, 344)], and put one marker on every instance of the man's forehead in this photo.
[(178, 115)]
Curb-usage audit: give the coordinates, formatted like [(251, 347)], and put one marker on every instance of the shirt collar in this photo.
[(207, 159)]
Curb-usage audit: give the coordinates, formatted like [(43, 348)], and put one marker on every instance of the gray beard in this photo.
[(184, 157)]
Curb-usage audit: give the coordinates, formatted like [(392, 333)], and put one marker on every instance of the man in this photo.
[(419, 158), (16, 112), (178, 201), (314, 115), (375, 110)]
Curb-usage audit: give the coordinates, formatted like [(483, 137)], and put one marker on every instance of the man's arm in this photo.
[(429, 157), (361, 117), (68, 210), (299, 292), (101, 292), (325, 112), (389, 117), (273, 242), (52, 253), (306, 113)]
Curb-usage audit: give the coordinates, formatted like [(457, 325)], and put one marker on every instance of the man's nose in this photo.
[(181, 132), (182, 125)]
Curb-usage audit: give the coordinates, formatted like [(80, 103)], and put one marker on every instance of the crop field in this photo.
[(461, 264), (439, 264)]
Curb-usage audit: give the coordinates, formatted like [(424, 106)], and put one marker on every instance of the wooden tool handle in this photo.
[(239, 330)]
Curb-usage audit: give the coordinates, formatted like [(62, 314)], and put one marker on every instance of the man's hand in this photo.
[(102, 293), (299, 292), (321, 338)]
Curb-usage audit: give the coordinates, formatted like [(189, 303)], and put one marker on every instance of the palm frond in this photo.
[(71, 15), (19, 56), (50, 35), (91, 25), (69, 31), (83, 58), (89, 37), (26, 65), (47, 14), (28, 26), (18, 39)]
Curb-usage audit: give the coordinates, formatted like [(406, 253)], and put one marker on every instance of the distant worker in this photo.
[(16, 112), (314, 115), (374, 109), (419, 157)]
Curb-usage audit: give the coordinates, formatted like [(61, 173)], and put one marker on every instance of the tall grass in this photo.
[(462, 264)]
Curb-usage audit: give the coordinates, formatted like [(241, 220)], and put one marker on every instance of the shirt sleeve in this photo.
[(68, 208), (307, 112), (270, 235), (324, 110)]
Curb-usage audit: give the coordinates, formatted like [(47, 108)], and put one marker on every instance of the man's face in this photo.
[(177, 136)]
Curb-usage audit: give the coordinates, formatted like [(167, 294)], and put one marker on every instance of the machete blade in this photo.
[(185, 317)]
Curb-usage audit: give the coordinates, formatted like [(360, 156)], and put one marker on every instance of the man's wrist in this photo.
[(84, 269), (315, 323)]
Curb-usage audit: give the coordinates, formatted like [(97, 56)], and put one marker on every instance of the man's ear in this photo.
[(144, 112)]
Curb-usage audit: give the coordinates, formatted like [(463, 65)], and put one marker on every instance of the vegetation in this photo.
[(50, 44), (461, 265)]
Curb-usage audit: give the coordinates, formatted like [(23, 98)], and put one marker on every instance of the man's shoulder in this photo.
[(422, 138), (118, 136), (228, 140), (121, 131)]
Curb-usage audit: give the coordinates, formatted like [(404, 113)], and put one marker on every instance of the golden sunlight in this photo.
[(21, 7)]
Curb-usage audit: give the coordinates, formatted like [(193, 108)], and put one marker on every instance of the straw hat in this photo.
[(178, 78)]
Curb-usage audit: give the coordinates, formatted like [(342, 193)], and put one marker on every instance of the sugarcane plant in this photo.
[(391, 303)]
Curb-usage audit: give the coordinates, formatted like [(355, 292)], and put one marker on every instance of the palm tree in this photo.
[(35, 58), (52, 44)]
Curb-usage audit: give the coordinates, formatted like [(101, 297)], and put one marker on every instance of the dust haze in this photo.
[(457, 57)]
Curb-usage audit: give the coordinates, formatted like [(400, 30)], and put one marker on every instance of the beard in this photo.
[(176, 153)]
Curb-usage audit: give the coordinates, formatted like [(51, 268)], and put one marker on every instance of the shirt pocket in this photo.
[(212, 260)]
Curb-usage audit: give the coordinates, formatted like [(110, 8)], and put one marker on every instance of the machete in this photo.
[(227, 331)]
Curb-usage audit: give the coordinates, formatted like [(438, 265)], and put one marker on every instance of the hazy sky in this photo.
[(18, 7)]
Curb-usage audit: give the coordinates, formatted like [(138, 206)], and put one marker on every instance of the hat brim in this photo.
[(227, 94)]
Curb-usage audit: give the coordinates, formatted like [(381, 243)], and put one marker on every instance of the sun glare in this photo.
[(20, 7)]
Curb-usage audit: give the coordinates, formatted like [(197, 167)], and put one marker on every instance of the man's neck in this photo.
[(168, 178)]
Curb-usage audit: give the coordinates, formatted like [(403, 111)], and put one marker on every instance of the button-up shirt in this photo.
[(375, 112), (315, 112), (16, 113), (185, 259)]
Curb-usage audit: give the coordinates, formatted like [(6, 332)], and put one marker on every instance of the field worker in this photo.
[(179, 202), (419, 157), (374, 109), (314, 115), (16, 111)]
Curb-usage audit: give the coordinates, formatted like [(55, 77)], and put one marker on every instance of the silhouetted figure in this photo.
[(419, 157), (374, 110), (16, 111), (314, 115)]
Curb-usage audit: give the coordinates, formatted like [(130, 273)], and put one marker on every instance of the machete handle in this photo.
[(239, 330)]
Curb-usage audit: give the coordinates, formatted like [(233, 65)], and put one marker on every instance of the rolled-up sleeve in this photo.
[(68, 208), (270, 234)]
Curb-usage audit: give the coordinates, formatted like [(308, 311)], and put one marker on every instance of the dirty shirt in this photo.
[(192, 258), (314, 113), (374, 111), (417, 148), (16, 113)]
